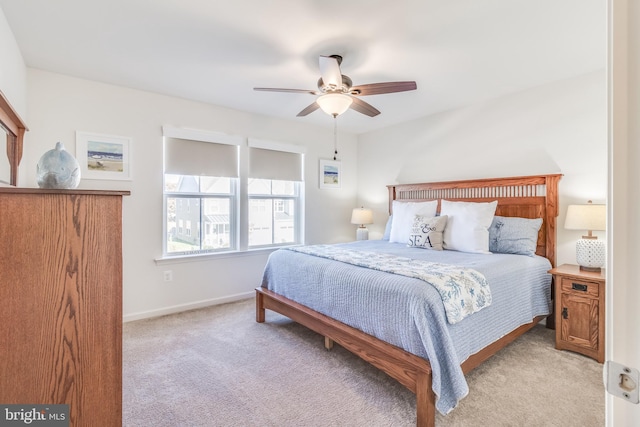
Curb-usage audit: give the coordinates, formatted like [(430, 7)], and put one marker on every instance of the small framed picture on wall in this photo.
[(330, 174), (103, 156)]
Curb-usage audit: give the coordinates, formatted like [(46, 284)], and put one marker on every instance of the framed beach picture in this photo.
[(103, 156), (330, 174)]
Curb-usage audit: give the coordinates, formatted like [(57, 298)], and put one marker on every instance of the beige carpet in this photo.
[(218, 367)]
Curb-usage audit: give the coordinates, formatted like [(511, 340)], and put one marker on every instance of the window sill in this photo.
[(179, 259)]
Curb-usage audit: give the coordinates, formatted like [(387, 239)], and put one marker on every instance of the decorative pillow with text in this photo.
[(426, 232)]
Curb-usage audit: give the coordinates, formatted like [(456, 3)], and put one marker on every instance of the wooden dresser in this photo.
[(61, 301)]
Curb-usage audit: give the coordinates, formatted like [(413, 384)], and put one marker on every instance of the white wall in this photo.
[(556, 128), (61, 105), (623, 289), (13, 73), (13, 78)]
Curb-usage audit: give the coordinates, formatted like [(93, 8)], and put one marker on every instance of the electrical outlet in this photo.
[(168, 276), (622, 381)]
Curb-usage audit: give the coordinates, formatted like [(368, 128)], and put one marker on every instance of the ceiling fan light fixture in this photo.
[(334, 104), (337, 93)]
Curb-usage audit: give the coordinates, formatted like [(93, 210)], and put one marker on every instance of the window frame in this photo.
[(239, 201), (233, 197), (298, 202)]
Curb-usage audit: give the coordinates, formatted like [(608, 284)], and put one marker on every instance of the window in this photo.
[(273, 212), (275, 191), (200, 192), (202, 205), (204, 222)]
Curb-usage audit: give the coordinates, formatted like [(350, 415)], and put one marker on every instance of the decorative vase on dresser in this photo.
[(61, 294)]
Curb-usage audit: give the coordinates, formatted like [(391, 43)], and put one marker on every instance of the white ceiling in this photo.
[(459, 52)]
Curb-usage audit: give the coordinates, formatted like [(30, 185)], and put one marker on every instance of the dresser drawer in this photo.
[(580, 287)]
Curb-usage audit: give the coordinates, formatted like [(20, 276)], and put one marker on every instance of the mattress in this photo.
[(408, 312)]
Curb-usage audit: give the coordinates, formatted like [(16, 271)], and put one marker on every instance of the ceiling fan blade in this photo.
[(380, 88), (362, 107), (310, 109), (274, 89), (330, 71)]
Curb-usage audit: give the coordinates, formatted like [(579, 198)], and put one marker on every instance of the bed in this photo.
[(428, 363)]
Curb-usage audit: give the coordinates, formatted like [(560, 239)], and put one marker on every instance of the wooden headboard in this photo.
[(526, 197)]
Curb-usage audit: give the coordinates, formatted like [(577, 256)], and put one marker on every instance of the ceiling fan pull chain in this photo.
[(335, 137)]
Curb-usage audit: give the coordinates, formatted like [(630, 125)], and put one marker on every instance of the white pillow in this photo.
[(468, 225), (403, 215), (387, 229)]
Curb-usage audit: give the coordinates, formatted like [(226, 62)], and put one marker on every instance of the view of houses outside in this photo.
[(271, 219), (198, 217)]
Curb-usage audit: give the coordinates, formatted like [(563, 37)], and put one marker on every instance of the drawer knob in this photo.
[(579, 287)]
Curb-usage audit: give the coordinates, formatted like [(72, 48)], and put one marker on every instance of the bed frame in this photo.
[(527, 197)]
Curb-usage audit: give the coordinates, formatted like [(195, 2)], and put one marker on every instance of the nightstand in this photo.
[(579, 310)]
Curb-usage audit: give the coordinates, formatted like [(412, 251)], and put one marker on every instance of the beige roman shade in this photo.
[(277, 161), (188, 152)]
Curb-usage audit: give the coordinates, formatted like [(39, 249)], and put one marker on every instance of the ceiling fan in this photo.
[(337, 93)]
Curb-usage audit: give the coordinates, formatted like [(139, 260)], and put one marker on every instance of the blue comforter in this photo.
[(408, 312), (463, 291)]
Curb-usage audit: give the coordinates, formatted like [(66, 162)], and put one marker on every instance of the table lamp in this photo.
[(590, 252), (362, 216)]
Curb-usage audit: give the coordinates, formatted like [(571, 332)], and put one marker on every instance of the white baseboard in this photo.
[(185, 307)]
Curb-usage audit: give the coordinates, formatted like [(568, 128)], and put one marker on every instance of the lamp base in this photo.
[(592, 269), (362, 233), (590, 254)]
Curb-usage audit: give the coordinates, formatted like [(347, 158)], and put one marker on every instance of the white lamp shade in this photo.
[(334, 104), (362, 216), (586, 217)]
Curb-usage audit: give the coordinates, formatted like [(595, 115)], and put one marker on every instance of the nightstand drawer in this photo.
[(580, 287)]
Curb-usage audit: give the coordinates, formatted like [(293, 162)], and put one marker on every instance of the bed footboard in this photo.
[(408, 369)]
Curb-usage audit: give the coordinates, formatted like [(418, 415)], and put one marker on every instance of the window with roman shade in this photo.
[(201, 174), (275, 188)]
